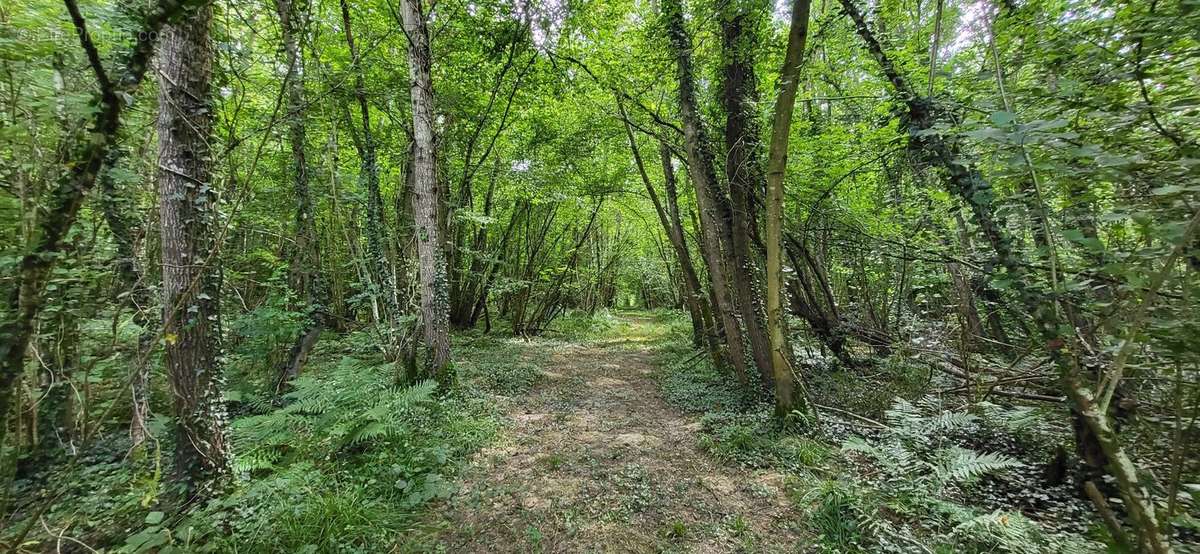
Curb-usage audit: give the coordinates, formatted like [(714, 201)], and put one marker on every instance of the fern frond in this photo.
[(962, 465)]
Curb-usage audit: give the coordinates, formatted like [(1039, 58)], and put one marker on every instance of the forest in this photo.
[(913, 276)]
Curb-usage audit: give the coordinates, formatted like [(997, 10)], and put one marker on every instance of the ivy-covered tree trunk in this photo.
[(188, 214), (137, 294), (743, 166), (435, 296), (380, 269), (713, 218)]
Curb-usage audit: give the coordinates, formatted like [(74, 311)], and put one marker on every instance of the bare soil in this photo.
[(595, 460)]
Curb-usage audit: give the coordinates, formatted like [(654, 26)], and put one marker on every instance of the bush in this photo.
[(578, 325)]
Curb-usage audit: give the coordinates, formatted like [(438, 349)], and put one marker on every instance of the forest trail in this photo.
[(595, 460)]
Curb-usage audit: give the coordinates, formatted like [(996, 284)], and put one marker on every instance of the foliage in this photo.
[(756, 439), (326, 413), (913, 469)]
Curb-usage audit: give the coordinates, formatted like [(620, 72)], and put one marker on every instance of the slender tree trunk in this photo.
[(137, 295), (785, 103), (714, 221), (435, 298), (693, 292), (187, 213), (380, 269)]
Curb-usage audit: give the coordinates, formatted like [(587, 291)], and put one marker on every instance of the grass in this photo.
[(496, 365)]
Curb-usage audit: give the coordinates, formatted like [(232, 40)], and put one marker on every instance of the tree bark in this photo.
[(785, 103), (743, 168), (187, 214), (435, 298)]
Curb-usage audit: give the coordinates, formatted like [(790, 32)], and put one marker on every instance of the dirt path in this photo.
[(594, 460)]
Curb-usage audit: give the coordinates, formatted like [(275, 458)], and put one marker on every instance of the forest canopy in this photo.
[(285, 275)]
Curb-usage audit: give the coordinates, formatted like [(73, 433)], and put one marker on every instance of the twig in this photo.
[(872, 422)]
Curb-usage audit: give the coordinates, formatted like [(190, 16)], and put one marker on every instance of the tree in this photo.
[(668, 217), (190, 257), (135, 290), (713, 206), (743, 167), (964, 180), (785, 102), (386, 304), (435, 295)]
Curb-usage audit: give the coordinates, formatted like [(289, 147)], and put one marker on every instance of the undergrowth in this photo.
[(344, 461), (342, 465), (577, 325), (913, 482), (497, 365)]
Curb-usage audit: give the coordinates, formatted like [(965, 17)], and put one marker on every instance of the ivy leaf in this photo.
[(1001, 119)]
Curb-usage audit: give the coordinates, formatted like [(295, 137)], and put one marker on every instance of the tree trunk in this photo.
[(380, 269), (708, 326), (714, 222), (187, 213), (137, 296), (743, 168), (435, 299), (785, 103)]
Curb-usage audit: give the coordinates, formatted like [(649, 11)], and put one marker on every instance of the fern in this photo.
[(962, 465), (916, 478), (352, 404), (1004, 531)]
